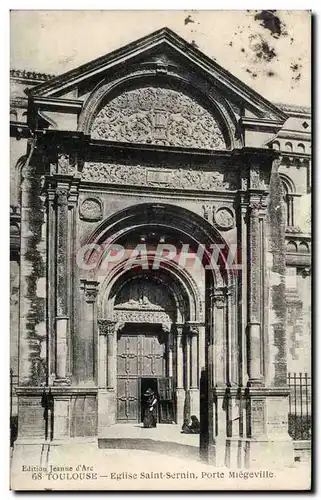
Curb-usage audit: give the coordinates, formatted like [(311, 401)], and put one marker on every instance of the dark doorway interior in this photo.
[(146, 383)]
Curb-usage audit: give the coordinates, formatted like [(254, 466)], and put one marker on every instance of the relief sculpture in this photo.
[(141, 175), (162, 116)]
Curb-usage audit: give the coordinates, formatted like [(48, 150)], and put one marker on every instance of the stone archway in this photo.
[(189, 326)]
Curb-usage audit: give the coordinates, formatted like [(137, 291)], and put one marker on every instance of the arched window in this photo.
[(301, 148), (291, 247), (288, 199), (303, 247), (276, 145), (288, 146), (13, 115)]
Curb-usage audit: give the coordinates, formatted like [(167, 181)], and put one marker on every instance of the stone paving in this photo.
[(130, 457)]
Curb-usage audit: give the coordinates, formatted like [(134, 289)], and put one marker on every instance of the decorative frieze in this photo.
[(107, 327), (142, 316), (142, 175)]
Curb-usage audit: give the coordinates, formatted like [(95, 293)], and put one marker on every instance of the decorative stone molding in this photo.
[(142, 316), (91, 209), (107, 327), (306, 271), (258, 178), (178, 76), (66, 164), (244, 173), (30, 75), (142, 175), (206, 211), (62, 196), (295, 161), (220, 296), (223, 218), (192, 328), (155, 115), (293, 230), (91, 290), (63, 163)]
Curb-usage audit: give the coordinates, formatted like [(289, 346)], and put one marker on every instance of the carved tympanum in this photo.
[(154, 115)]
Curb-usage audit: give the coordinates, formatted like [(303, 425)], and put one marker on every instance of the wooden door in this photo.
[(127, 373), (138, 355), (166, 400)]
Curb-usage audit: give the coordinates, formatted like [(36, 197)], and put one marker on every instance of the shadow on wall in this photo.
[(172, 449), (13, 429)]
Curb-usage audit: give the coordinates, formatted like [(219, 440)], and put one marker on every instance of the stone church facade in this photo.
[(156, 147)]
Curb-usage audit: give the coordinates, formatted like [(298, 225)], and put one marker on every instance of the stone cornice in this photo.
[(292, 235), (55, 390), (262, 124), (72, 105), (23, 74), (166, 39), (294, 110)]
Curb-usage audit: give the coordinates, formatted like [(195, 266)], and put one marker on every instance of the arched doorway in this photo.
[(158, 314), (145, 308)]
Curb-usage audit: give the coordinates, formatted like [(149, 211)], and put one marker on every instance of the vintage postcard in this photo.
[(160, 250)]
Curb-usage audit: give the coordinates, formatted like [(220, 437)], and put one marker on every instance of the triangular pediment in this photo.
[(163, 52)]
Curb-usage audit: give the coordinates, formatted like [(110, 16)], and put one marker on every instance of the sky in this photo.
[(268, 50)]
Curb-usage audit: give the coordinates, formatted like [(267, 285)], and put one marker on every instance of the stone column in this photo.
[(220, 355), (170, 355), (111, 356), (219, 341), (180, 392), (195, 358), (62, 317), (51, 233), (106, 375), (201, 348), (193, 335), (90, 346), (255, 292), (187, 345)]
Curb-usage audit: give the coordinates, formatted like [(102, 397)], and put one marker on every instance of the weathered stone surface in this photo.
[(156, 115), (173, 178)]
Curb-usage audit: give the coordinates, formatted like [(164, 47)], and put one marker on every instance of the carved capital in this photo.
[(192, 328), (107, 327), (220, 296), (62, 196), (166, 327), (90, 288), (179, 329), (257, 207)]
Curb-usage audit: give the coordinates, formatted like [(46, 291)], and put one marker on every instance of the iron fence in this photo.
[(300, 406)]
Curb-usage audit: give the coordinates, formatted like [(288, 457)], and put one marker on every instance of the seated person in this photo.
[(191, 428), (185, 426), (195, 425)]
